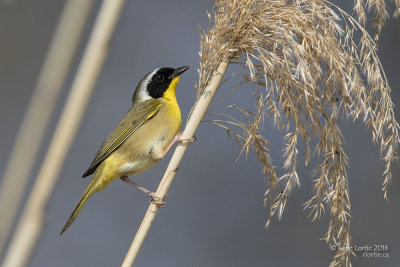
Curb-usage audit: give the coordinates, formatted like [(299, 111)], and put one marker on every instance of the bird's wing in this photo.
[(136, 117)]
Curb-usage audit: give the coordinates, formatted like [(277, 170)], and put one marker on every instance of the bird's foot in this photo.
[(161, 204), (185, 140), (153, 195), (156, 200)]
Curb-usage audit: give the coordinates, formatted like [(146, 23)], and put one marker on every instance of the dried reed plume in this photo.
[(308, 70)]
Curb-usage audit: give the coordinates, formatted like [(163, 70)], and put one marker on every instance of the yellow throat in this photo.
[(170, 93)]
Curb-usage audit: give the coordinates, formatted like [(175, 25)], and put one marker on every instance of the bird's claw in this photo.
[(186, 140), (153, 194), (160, 203)]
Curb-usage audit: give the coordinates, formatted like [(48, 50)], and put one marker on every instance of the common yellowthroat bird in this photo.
[(141, 139)]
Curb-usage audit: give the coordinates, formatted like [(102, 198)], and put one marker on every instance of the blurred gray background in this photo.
[(215, 215)]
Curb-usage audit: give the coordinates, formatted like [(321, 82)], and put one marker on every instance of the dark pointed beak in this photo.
[(179, 71)]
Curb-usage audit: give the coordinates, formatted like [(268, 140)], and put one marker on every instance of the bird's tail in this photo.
[(86, 195)]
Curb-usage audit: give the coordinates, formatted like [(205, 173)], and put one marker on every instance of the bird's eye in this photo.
[(159, 78)]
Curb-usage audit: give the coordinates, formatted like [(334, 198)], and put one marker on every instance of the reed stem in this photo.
[(31, 223), (38, 114)]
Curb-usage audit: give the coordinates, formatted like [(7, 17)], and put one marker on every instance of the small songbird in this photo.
[(141, 139)]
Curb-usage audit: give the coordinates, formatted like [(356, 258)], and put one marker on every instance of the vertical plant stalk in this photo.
[(193, 123), (30, 225), (37, 116)]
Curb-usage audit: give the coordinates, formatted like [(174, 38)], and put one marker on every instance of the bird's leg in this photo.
[(147, 191), (127, 180), (177, 138)]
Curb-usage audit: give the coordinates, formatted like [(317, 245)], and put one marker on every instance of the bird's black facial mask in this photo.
[(159, 82)]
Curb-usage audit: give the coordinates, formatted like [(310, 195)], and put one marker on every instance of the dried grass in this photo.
[(308, 70)]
